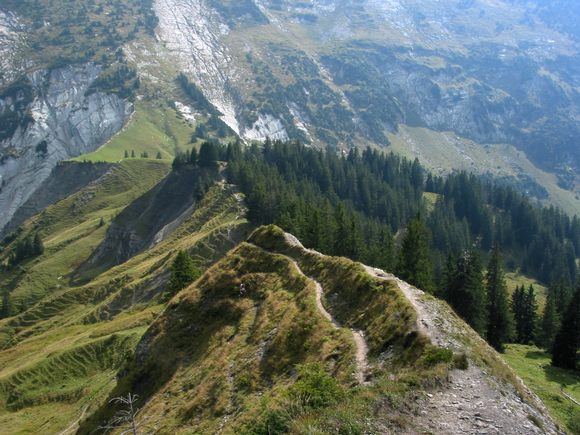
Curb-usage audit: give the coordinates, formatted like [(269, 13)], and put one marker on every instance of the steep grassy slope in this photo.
[(73, 227), (59, 357), (218, 360), (66, 179), (151, 218), (154, 128), (444, 152), (286, 354)]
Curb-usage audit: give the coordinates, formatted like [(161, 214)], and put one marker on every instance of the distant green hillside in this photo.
[(59, 357), (155, 129)]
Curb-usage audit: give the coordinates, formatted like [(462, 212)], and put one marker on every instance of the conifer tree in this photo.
[(465, 291), (524, 309), (566, 351), (550, 323), (6, 305), (183, 272), (343, 239), (500, 321), (193, 156), (562, 295), (382, 251), (208, 154), (37, 245), (126, 154), (132, 154), (530, 316), (158, 156), (415, 264), (234, 151), (518, 312)]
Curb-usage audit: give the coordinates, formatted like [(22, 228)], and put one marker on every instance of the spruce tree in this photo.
[(193, 156), (550, 323), (524, 309), (126, 154), (132, 154), (342, 238), (563, 295), (183, 272), (208, 154), (37, 245), (415, 265), (499, 324), (6, 305), (518, 313), (530, 316), (566, 351), (465, 291)]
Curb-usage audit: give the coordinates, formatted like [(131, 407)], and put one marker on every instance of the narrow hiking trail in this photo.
[(74, 424), (473, 401), (362, 363), (430, 321)]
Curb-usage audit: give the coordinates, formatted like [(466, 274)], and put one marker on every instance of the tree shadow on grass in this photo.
[(537, 354), (565, 378)]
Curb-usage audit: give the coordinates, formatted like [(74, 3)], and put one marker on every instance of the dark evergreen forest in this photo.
[(372, 207), (355, 204)]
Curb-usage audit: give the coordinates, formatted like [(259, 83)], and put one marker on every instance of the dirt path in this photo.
[(473, 401), (567, 396), (75, 423), (362, 363), (430, 321)]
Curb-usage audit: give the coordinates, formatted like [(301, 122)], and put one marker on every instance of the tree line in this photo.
[(370, 207)]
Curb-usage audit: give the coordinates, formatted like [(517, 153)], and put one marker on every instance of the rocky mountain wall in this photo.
[(49, 117)]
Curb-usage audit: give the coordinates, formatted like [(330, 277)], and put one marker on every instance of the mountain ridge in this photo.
[(486, 387)]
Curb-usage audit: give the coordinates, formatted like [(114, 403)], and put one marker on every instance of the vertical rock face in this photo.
[(55, 121), (192, 31), (12, 38)]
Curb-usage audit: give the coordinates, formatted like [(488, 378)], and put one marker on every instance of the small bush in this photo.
[(315, 388), (574, 423), (460, 361), (536, 421), (436, 355), (244, 383)]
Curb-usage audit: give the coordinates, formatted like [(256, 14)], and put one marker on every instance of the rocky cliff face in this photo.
[(151, 218), (48, 118), (345, 73), (66, 178), (192, 31), (12, 39)]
